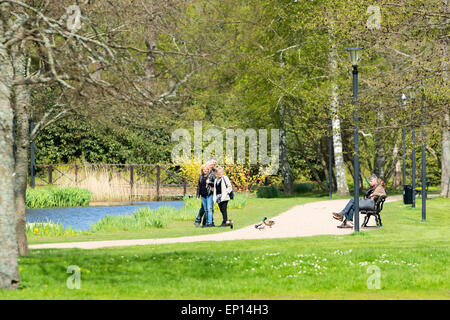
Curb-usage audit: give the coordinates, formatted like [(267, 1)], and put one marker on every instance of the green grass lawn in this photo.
[(253, 212), (412, 258)]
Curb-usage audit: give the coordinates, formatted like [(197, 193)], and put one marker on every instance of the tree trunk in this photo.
[(445, 159), (9, 273), (397, 178), (21, 164), (339, 165)]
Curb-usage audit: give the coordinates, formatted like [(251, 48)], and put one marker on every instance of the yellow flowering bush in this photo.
[(245, 178)]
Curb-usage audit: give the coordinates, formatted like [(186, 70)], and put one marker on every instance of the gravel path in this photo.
[(301, 221)]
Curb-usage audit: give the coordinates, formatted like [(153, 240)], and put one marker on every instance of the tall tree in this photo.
[(9, 272), (21, 110), (92, 60), (339, 164)]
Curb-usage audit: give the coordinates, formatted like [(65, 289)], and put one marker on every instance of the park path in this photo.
[(303, 220)]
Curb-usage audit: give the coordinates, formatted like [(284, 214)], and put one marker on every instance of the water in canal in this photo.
[(81, 218)]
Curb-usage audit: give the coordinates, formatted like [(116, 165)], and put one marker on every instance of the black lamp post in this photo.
[(354, 58), (424, 162), (412, 95), (330, 159), (404, 146)]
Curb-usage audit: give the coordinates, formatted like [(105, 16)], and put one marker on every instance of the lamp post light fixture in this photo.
[(354, 58), (412, 95)]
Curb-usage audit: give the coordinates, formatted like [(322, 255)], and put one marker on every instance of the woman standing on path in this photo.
[(222, 192), (205, 190)]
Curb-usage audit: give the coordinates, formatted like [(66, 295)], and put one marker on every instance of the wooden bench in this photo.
[(379, 202)]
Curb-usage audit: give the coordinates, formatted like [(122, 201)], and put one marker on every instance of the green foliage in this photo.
[(272, 70), (57, 197), (304, 187), (42, 229), (268, 192), (75, 139)]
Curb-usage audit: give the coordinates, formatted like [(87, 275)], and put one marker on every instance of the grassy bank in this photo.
[(410, 256), (250, 213)]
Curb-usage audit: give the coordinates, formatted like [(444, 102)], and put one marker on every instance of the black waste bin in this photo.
[(407, 194)]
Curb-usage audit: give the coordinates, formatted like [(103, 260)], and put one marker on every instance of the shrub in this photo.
[(244, 177), (268, 192), (304, 187)]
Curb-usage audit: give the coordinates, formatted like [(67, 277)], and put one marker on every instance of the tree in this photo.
[(445, 164), (9, 272), (81, 55), (339, 165)]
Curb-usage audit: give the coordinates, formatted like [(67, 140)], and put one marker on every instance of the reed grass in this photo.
[(56, 197), (141, 219), (103, 185), (112, 183)]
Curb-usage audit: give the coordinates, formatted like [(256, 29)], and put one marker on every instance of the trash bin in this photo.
[(407, 194)]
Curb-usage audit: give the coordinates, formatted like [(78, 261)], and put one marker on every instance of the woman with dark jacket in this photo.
[(205, 190)]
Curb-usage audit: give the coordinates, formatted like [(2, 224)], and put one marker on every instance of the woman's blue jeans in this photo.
[(207, 203), (349, 209)]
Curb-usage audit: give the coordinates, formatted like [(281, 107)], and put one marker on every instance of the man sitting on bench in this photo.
[(377, 189)]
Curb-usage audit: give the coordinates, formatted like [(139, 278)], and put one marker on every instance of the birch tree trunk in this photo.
[(9, 273), (339, 165), (21, 106)]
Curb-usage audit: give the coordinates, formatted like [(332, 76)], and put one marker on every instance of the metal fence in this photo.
[(136, 180)]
